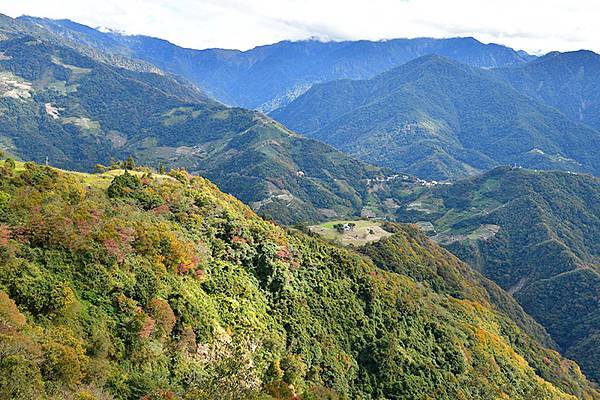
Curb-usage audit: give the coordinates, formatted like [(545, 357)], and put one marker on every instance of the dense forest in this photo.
[(534, 233), (138, 285)]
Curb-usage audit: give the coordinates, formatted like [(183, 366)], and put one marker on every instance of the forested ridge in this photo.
[(439, 119), (134, 284), (535, 233)]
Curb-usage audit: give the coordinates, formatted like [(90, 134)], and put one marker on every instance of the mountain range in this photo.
[(270, 76), (139, 283), (64, 105), (567, 81), (439, 119)]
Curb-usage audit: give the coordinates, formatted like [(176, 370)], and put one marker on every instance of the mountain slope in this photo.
[(267, 77), (409, 252), (440, 119), (75, 111), (12, 27), (163, 287), (568, 81), (536, 235)]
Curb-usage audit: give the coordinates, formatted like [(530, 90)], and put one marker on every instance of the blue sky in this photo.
[(536, 26)]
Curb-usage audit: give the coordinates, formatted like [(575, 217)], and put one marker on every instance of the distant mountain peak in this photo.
[(430, 63), (575, 55), (105, 29)]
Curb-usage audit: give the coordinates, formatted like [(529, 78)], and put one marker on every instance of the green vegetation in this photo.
[(199, 298), (434, 118), (130, 284), (536, 235), (60, 103), (568, 81)]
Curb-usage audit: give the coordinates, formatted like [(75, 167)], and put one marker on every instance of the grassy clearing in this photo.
[(104, 179), (364, 232), (100, 180)]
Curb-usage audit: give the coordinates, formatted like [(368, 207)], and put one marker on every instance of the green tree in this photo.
[(125, 185), (129, 164)]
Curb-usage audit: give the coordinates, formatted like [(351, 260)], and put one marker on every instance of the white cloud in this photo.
[(536, 26)]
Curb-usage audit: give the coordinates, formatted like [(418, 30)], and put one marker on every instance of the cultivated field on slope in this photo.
[(362, 233)]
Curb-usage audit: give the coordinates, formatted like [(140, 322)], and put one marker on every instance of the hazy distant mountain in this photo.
[(270, 76), (75, 110), (536, 235), (440, 119), (568, 81)]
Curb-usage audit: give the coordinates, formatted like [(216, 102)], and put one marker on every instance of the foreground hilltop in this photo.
[(131, 285)]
